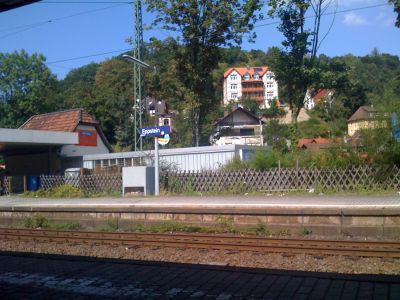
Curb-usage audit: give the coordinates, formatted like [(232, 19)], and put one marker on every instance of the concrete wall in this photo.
[(336, 222)]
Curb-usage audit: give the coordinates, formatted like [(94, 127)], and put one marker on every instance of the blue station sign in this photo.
[(155, 131)]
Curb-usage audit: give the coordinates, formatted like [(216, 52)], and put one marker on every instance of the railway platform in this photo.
[(328, 215), (44, 276)]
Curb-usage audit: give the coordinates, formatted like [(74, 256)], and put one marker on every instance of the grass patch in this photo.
[(110, 226), (68, 191), (223, 225), (39, 221), (259, 229)]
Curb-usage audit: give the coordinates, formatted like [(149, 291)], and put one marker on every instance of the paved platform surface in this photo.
[(35, 276), (209, 202)]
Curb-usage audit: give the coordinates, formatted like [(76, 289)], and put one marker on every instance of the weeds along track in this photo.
[(212, 242)]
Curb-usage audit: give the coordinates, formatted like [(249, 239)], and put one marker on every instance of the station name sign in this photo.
[(155, 131)]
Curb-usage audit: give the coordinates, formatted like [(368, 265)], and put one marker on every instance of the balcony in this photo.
[(253, 89), (241, 140)]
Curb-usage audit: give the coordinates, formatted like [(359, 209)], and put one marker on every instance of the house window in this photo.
[(233, 77), (270, 95), (270, 85), (166, 122), (269, 76), (246, 76), (234, 96), (233, 86), (247, 131), (256, 76)]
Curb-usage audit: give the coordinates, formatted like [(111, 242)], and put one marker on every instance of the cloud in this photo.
[(389, 22), (354, 19), (385, 20)]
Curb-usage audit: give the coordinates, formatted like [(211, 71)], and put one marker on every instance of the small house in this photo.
[(239, 127)]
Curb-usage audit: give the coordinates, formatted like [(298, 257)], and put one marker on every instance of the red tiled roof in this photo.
[(66, 120), (321, 93), (243, 70), (318, 141)]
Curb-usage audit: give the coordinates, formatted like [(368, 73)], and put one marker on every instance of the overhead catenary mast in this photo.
[(138, 105)]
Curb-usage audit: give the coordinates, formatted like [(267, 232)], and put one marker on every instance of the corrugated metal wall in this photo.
[(187, 159)]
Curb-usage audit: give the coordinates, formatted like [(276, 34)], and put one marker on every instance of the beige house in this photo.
[(257, 83), (366, 117)]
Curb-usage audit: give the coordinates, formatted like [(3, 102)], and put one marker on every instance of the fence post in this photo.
[(279, 175), (297, 174)]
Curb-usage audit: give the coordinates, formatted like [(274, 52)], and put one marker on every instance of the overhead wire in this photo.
[(87, 56), (130, 2), (23, 28)]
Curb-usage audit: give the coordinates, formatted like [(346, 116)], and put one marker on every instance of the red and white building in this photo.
[(257, 83)]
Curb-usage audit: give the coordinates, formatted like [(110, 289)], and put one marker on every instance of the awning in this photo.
[(11, 4), (19, 141)]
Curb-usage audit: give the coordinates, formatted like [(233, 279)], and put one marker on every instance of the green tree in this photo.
[(203, 27), (292, 69), (396, 4), (77, 88), (27, 87), (276, 135), (113, 100)]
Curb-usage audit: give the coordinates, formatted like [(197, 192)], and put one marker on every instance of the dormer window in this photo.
[(256, 76), (269, 75), (246, 76)]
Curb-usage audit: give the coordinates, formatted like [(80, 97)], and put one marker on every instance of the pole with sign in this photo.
[(156, 132)]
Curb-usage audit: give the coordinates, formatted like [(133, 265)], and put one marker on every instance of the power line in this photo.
[(326, 14), (272, 23), (88, 56), (84, 2), (23, 28)]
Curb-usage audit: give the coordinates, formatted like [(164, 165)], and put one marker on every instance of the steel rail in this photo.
[(215, 242)]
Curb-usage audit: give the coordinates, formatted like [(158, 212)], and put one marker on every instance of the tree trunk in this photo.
[(195, 127)]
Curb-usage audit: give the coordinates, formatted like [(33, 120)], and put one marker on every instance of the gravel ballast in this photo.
[(299, 262)]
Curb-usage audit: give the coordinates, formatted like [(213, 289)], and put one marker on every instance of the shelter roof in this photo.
[(11, 4), (13, 141)]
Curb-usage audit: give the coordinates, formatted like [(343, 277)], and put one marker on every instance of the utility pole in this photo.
[(138, 105)]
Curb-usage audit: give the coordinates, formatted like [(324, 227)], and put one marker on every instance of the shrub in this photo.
[(37, 221), (236, 164), (263, 160)]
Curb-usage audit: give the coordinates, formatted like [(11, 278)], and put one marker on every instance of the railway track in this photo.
[(215, 242)]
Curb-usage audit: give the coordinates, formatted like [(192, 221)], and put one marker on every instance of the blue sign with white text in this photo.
[(155, 131)]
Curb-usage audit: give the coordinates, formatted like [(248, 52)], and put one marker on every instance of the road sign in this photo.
[(154, 131), (164, 140)]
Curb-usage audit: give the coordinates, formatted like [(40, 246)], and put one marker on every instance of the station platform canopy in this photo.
[(11, 4), (18, 141)]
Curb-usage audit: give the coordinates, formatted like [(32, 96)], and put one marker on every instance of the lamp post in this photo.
[(156, 156)]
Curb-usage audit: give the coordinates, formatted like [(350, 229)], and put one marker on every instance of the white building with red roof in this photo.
[(257, 83)]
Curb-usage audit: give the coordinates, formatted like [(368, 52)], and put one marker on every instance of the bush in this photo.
[(236, 164), (263, 160), (66, 191)]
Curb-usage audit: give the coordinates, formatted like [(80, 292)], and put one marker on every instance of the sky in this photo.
[(95, 30)]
